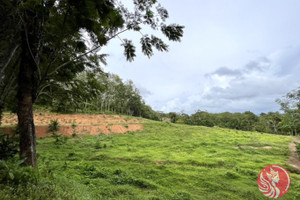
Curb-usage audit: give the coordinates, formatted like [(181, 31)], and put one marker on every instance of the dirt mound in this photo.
[(80, 124), (64, 119), (294, 159)]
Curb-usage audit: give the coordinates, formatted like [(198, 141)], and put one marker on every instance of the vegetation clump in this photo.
[(53, 129), (9, 145)]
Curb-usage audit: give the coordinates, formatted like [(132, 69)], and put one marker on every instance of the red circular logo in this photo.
[(274, 181)]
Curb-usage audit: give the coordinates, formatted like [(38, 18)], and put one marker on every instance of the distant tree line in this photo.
[(287, 122), (99, 92), (93, 91)]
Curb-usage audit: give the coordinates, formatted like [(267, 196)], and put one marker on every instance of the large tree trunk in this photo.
[(26, 91), (25, 114)]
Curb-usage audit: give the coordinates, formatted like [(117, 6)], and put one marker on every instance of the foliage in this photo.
[(53, 126), (60, 139), (97, 92), (9, 51), (11, 172), (59, 39), (290, 104), (120, 97), (74, 125), (241, 121), (272, 122), (53, 129), (291, 101), (8, 146), (202, 118), (109, 93), (57, 34), (173, 117), (19, 182)]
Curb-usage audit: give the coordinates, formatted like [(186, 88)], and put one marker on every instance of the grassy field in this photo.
[(164, 161)]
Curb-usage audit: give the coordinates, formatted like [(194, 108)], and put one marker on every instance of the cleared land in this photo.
[(81, 124), (164, 161)]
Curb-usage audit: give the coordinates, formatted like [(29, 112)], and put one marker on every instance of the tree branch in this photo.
[(27, 41), (84, 54), (8, 61)]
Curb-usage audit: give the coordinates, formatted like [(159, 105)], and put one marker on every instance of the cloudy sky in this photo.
[(236, 55)]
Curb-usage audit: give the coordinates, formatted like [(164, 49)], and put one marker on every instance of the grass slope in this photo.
[(165, 161)]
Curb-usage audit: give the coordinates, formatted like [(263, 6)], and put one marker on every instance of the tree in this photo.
[(290, 104), (173, 117), (248, 120), (53, 47), (202, 118), (269, 123), (291, 122), (9, 53)]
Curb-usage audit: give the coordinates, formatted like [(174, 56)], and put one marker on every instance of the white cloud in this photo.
[(254, 86), (234, 56)]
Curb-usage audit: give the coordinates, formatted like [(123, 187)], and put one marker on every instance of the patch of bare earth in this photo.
[(294, 159), (159, 162), (80, 124)]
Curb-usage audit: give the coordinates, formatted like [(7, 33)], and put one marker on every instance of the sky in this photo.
[(235, 56)]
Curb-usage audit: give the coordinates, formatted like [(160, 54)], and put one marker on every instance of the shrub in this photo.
[(8, 146), (60, 139), (12, 173), (53, 129), (74, 125), (98, 144), (53, 126)]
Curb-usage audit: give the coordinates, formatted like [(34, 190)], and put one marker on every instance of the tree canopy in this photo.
[(44, 42)]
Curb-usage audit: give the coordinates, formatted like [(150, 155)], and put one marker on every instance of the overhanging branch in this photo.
[(8, 61), (84, 54)]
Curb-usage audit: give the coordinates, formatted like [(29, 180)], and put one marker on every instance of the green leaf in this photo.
[(146, 46), (11, 175), (173, 32), (129, 50), (159, 44)]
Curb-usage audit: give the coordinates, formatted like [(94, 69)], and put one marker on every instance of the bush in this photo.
[(60, 139), (12, 173), (18, 182), (53, 129), (74, 125), (53, 126), (98, 144), (8, 146)]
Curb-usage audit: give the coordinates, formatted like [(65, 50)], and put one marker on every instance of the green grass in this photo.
[(164, 161)]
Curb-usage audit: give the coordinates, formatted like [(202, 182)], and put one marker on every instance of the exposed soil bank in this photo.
[(82, 124)]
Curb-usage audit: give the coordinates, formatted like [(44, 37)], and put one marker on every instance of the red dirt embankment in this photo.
[(80, 124)]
